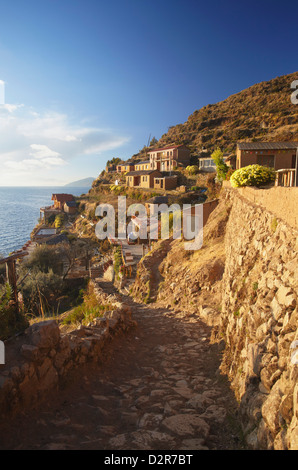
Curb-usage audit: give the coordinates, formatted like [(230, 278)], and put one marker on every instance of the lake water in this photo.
[(20, 211)]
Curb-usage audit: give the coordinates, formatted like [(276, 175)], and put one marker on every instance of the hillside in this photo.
[(261, 112), (86, 182)]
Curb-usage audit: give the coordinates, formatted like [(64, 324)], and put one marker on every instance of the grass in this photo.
[(88, 310), (84, 314)]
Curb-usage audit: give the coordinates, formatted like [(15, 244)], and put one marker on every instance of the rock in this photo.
[(117, 442), (270, 409), (276, 309), (252, 440), (186, 425), (285, 296), (151, 439), (254, 359), (200, 401), (150, 420), (49, 380), (29, 352), (193, 444), (215, 412), (210, 316), (44, 335)]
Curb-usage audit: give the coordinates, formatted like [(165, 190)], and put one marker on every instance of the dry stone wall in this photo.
[(259, 319), (39, 360)]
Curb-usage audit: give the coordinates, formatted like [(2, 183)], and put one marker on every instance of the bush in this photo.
[(88, 310), (11, 320), (45, 258), (252, 175), (59, 220), (40, 292), (192, 169)]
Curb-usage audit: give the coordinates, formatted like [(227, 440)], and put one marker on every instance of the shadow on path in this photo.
[(157, 388)]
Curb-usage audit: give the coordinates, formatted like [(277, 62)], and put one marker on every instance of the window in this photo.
[(265, 160)]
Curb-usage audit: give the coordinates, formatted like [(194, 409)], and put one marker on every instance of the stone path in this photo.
[(158, 389)]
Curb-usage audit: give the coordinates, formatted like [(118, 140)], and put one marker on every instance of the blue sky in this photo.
[(87, 80)]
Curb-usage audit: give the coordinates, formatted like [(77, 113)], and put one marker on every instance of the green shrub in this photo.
[(252, 175), (192, 169), (59, 220)]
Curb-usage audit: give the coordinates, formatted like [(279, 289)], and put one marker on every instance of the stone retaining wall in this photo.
[(278, 200), (39, 360), (259, 319)]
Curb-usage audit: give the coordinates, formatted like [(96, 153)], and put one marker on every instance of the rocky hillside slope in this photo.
[(263, 111)]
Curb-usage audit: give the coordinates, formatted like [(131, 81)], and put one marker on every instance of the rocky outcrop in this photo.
[(39, 360)]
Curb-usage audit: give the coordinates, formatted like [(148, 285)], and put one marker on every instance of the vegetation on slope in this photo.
[(261, 112)]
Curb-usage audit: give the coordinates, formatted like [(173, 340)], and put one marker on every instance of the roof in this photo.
[(141, 172), (167, 148), (126, 164), (167, 177), (142, 163), (158, 200), (267, 145), (71, 203), (56, 239), (62, 197)]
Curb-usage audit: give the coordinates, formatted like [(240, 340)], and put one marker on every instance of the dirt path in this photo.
[(158, 389)]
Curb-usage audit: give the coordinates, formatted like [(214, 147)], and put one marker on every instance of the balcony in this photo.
[(286, 177)]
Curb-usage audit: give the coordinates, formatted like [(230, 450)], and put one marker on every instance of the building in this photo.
[(207, 163), (142, 179), (62, 203), (70, 207), (165, 182), (47, 212), (168, 158), (141, 166), (110, 168), (277, 155), (60, 200), (44, 233), (207, 208), (124, 167), (155, 201)]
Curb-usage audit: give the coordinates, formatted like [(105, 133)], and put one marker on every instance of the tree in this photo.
[(45, 258), (59, 220), (12, 321), (114, 161), (153, 142), (221, 167)]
